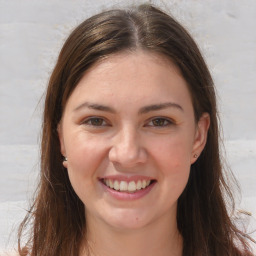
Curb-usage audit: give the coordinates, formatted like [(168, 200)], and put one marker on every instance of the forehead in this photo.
[(131, 60), (132, 78)]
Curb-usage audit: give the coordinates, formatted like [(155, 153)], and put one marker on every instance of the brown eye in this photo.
[(95, 121), (159, 122)]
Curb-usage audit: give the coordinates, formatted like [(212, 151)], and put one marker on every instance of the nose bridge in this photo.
[(126, 147), (128, 140)]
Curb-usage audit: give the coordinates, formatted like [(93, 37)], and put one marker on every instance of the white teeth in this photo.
[(111, 184), (139, 185), (116, 185), (131, 186), (123, 185)]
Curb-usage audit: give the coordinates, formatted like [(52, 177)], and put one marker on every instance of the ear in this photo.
[(62, 144), (200, 138)]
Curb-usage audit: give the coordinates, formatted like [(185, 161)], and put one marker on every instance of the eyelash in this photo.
[(89, 121), (164, 122), (101, 122)]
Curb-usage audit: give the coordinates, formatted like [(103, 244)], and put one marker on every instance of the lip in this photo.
[(126, 196)]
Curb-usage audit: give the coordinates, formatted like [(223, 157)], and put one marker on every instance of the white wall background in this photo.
[(31, 34)]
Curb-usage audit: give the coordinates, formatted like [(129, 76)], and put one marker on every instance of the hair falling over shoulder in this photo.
[(55, 224)]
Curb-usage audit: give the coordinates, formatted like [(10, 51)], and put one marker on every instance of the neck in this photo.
[(161, 239)]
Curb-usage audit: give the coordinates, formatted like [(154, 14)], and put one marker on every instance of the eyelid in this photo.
[(169, 120), (91, 118)]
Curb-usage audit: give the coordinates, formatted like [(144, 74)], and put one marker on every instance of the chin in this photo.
[(127, 220)]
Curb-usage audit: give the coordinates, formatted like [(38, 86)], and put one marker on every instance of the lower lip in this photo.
[(128, 196)]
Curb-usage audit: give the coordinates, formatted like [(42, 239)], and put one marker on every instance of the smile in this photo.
[(124, 186), (127, 188)]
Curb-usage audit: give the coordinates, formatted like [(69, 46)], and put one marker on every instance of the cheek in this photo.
[(173, 162), (85, 156), (176, 168), (85, 152), (175, 173), (174, 151)]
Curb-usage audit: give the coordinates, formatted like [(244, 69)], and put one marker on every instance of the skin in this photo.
[(129, 138)]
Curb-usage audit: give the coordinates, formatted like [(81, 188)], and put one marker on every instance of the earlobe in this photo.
[(65, 162), (200, 136)]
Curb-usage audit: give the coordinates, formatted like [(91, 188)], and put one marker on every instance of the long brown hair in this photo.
[(57, 214)]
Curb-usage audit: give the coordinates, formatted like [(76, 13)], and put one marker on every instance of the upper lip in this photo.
[(126, 178)]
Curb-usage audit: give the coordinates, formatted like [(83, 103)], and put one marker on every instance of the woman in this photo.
[(130, 161)]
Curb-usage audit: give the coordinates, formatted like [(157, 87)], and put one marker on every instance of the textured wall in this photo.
[(31, 34)]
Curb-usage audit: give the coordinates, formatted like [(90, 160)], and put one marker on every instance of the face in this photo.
[(130, 137)]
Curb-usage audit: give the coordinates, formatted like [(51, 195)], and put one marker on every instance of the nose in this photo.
[(126, 149)]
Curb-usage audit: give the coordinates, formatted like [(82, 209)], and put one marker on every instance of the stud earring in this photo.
[(65, 162), (195, 155)]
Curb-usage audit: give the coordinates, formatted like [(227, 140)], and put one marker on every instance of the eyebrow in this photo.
[(95, 107), (143, 110), (160, 106)]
